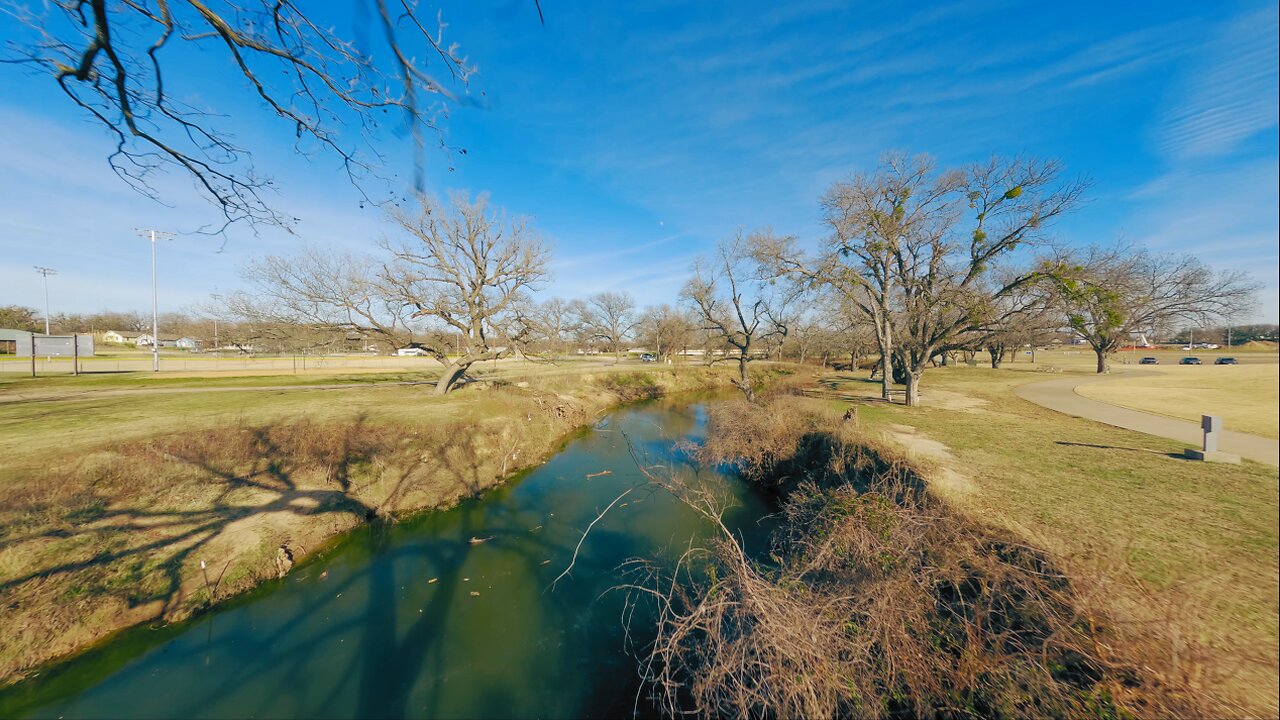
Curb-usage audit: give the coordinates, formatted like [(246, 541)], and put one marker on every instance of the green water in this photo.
[(363, 632)]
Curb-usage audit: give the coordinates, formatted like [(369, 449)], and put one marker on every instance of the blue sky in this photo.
[(635, 135)]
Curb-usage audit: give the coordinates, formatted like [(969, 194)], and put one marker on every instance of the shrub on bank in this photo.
[(879, 600)]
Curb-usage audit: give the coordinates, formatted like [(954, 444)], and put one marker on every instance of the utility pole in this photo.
[(46, 272), (154, 235)]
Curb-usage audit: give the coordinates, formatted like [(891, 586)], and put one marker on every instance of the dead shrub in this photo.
[(878, 601)]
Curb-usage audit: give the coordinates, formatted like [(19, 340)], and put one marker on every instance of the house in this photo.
[(412, 352), (186, 343), (120, 338), (147, 341)]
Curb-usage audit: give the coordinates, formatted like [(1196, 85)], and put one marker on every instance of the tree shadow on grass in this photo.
[(1096, 446), (130, 532)]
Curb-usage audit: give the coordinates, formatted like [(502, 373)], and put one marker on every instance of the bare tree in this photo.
[(739, 305), (667, 328), (116, 62), (319, 289), (867, 217), (610, 318), (556, 322), (944, 262), (17, 317), (470, 269), (1109, 294), (905, 251), (1023, 315)]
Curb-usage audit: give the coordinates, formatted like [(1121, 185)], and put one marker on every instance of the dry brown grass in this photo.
[(880, 601)]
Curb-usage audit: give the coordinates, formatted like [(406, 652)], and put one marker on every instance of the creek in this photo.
[(446, 614)]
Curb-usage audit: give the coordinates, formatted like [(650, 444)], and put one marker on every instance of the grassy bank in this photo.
[(122, 509), (1202, 541)]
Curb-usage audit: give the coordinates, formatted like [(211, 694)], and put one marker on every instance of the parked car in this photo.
[(1189, 361), (1225, 361), (1148, 361), (648, 357)]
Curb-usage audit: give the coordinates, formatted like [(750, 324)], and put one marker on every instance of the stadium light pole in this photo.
[(154, 235), (46, 272)]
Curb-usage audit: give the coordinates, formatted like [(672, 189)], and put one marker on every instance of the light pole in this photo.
[(155, 321), (46, 272)]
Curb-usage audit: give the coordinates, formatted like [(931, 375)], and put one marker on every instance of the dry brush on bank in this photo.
[(879, 600)]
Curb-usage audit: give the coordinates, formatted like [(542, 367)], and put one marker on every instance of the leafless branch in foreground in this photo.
[(117, 63)]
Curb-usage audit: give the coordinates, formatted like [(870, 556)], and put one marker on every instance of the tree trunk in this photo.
[(452, 373), (886, 365), (996, 357), (913, 388), (1103, 357), (744, 380)]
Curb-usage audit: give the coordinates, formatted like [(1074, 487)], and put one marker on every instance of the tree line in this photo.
[(916, 265)]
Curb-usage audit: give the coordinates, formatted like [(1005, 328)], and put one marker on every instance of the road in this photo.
[(1061, 395)]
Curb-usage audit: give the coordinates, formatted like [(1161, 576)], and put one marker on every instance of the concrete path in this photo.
[(1060, 395)]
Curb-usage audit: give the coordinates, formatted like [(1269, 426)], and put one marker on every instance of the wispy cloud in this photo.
[(1231, 94)]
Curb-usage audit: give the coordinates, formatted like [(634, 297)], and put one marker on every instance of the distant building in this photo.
[(412, 352), (120, 338), (145, 340), (21, 343), (187, 343)]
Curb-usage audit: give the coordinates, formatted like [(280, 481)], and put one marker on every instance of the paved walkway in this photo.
[(1061, 395)]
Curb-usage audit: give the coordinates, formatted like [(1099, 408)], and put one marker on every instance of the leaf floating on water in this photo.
[(477, 541), (537, 528), (324, 575), (475, 594), (546, 562), (466, 579), (433, 581), (624, 505)]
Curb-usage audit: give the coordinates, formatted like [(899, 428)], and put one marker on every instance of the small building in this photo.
[(21, 343), (412, 351), (146, 340), (186, 343), (120, 337)]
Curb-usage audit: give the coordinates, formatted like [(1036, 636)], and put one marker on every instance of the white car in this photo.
[(412, 352)]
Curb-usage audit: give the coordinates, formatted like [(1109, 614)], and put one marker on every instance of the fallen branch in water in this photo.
[(598, 474), (584, 537)]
